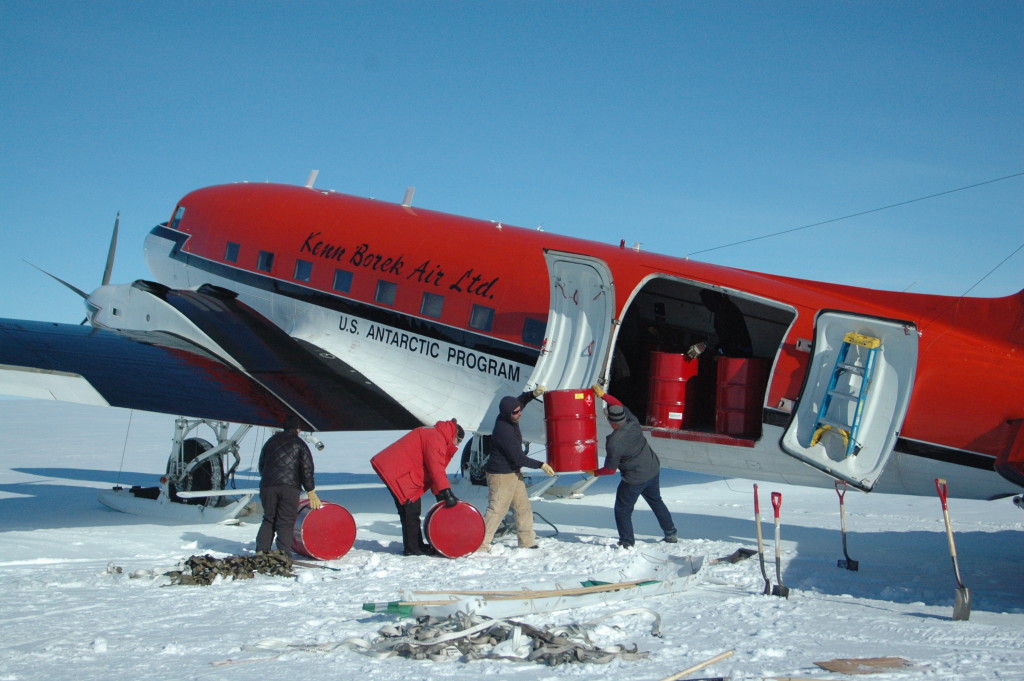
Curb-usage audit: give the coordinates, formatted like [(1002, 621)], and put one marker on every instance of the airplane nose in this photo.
[(96, 303)]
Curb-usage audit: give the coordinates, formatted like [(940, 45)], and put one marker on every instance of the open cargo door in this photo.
[(855, 396), (579, 322)]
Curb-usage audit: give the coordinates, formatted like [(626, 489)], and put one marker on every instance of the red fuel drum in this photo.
[(740, 395), (671, 380), (571, 424), (454, 531), (326, 533)]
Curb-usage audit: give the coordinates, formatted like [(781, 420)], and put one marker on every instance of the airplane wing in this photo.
[(162, 372)]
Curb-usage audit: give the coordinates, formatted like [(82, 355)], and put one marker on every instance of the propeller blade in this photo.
[(110, 253), (77, 290)]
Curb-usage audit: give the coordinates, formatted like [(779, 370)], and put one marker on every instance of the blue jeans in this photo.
[(625, 499)]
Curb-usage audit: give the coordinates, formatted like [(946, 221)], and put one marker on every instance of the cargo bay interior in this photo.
[(719, 392)]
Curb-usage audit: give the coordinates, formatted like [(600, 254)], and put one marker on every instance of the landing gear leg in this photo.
[(195, 465)]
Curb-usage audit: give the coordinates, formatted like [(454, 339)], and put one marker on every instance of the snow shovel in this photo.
[(848, 563), (760, 543), (962, 598), (778, 589)]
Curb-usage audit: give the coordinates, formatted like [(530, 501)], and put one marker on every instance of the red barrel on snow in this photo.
[(454, 531), (672, 377), (326, 533), (570, 422)]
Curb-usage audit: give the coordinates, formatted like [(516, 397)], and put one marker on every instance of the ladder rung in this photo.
[(852, 368), (832, 422), (845, 396)]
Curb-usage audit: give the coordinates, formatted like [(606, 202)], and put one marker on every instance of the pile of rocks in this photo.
[(205, 569)]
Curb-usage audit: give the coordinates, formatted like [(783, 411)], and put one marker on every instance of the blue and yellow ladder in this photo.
[(848, 430)]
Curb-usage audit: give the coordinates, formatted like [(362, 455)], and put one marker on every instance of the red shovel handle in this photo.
[(943, 490), (757, 504), (841, 491), (777, 502)]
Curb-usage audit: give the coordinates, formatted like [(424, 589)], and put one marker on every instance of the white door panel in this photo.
[(883, 408)]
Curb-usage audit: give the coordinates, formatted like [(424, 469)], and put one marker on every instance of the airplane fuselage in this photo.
[(445, 315)]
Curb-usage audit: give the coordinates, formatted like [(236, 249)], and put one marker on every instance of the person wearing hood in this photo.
[(631, 454), (415, 463), (505, 486), (286, 468)]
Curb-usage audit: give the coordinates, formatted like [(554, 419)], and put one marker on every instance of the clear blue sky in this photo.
[(680, 125)]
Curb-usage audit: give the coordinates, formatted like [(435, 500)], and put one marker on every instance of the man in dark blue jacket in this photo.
[(286, 468), (505, 485)]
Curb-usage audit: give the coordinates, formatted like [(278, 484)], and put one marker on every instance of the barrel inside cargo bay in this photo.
[(571, 425), (740, 395), (671, 378)]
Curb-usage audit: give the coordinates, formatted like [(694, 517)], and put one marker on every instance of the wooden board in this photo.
[(865, 665)]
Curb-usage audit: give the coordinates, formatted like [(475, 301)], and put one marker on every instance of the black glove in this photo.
[(447, 497)]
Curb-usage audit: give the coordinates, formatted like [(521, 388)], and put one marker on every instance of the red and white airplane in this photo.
[(357, 314)]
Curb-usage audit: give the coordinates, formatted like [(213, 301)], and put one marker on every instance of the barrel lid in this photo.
[(454, 531), (327, 533)]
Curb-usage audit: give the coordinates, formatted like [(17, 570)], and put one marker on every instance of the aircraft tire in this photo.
[(207, 476)]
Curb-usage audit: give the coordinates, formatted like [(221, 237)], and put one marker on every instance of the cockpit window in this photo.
[(179, 213)]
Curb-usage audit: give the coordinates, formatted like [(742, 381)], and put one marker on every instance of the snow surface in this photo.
[(64, 615)]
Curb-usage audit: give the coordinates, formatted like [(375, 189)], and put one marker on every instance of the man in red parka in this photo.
[(411, 466)]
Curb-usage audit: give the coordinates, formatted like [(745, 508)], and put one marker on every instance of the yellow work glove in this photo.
[(547, 469), (538, 391), (598, 390), (314, 500)]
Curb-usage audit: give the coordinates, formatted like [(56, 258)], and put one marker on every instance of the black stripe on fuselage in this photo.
[(958, 457), (924, 450), (471, 341)]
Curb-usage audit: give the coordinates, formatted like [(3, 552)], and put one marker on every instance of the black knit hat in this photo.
[(293, 422), (616, 414)]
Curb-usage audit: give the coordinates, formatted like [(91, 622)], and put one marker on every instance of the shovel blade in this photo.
[(743, 554), (850, 565), (962, 604), (781, 591), (736, 556)]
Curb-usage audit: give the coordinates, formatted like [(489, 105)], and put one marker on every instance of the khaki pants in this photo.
[(505, 490)]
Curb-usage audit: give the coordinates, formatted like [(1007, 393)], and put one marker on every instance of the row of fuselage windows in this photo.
[(481, 317)]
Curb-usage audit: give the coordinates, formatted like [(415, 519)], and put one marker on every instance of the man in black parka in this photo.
[(286, 468)]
